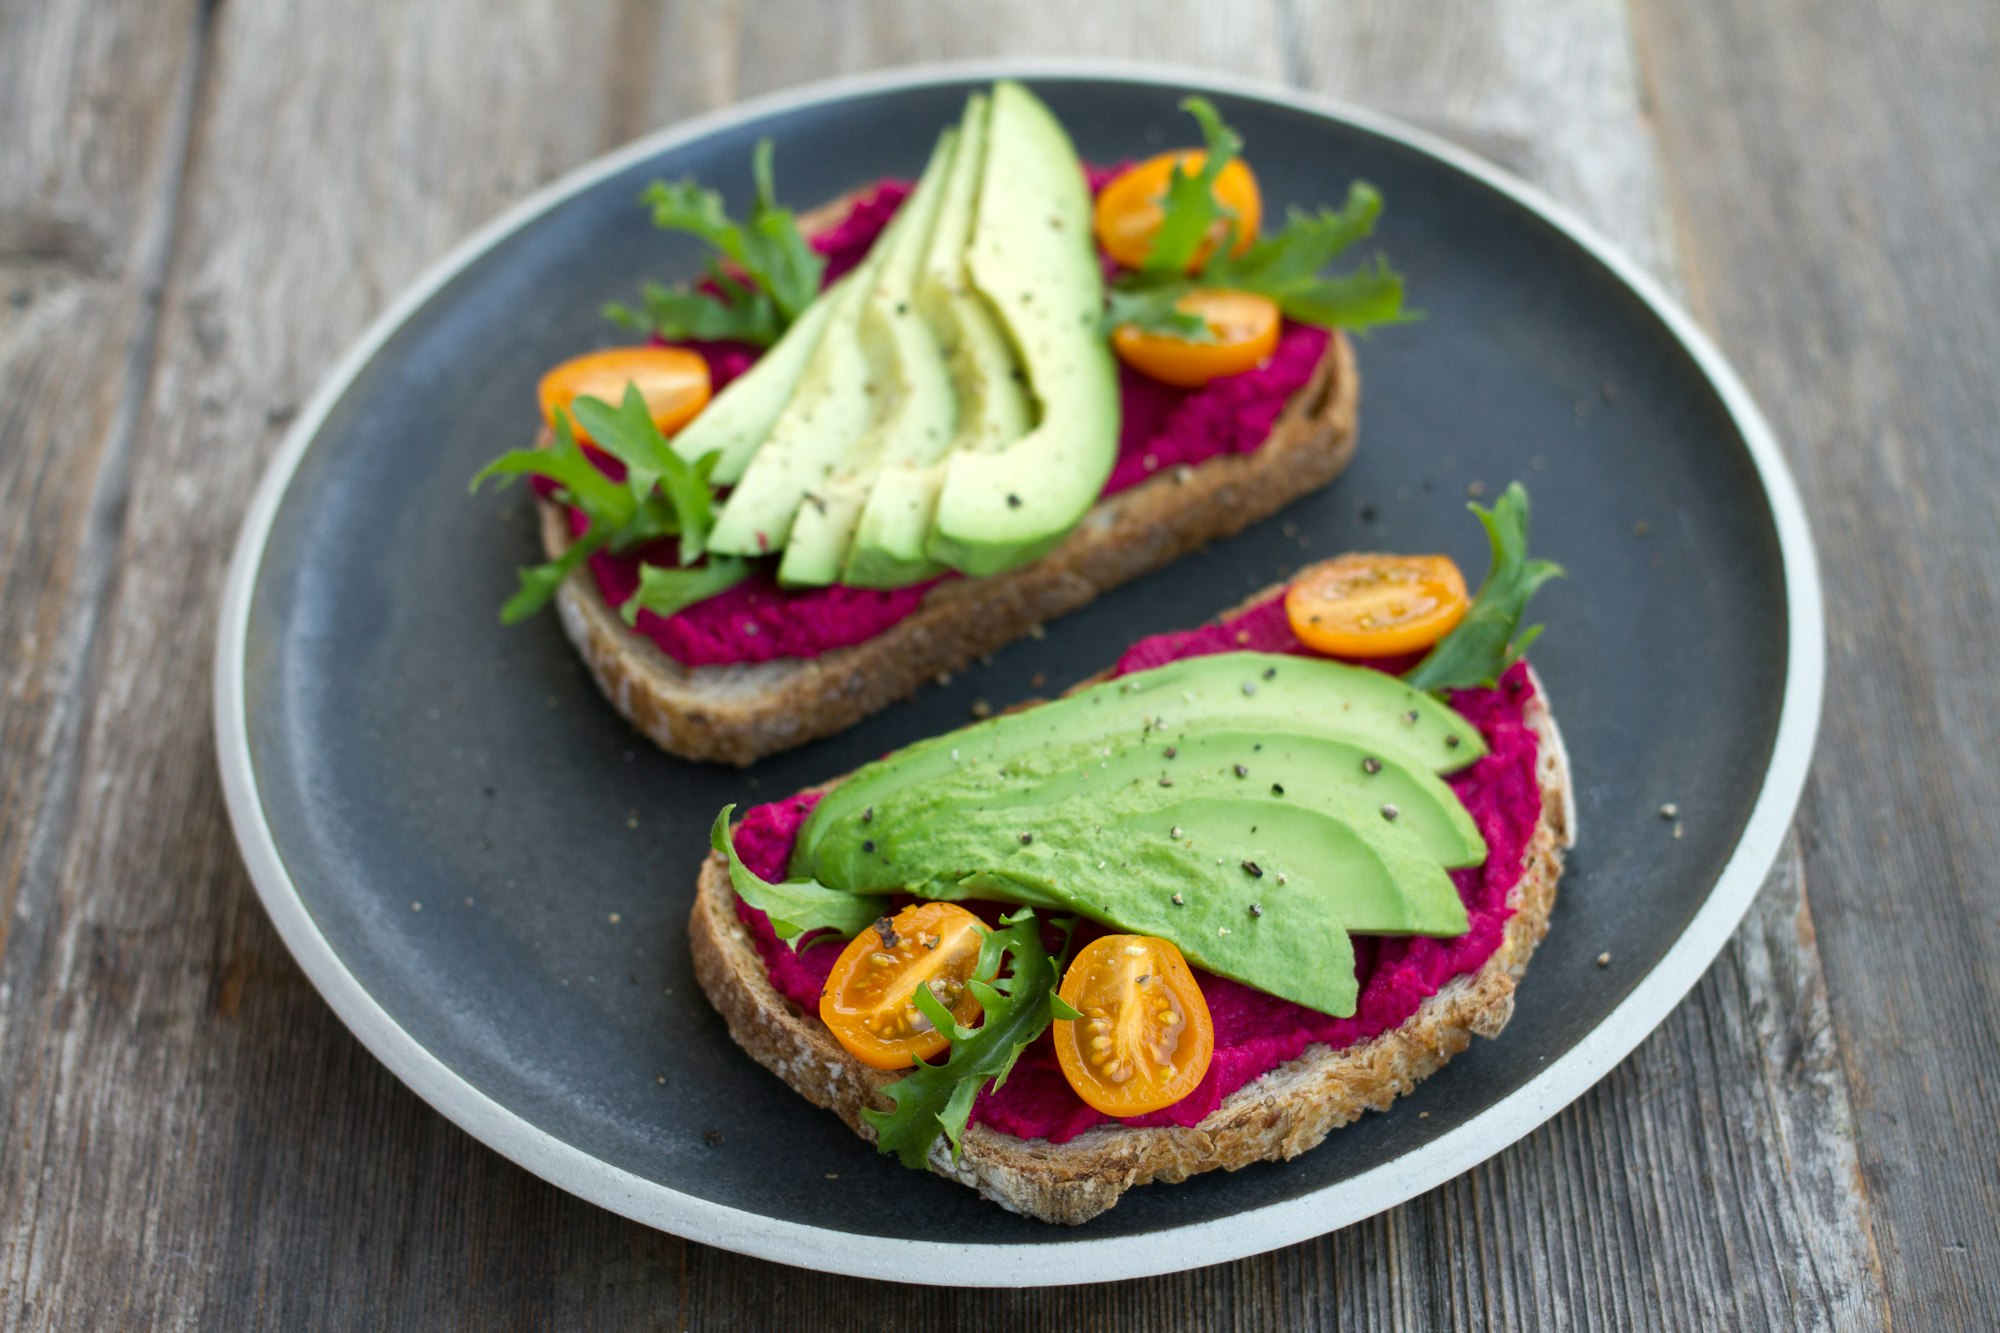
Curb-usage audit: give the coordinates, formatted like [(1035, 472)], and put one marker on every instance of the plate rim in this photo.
[(1083, 1257)]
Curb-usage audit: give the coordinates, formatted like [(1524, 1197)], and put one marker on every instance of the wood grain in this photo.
[(154, 1032), (87, 188), (1840, 166), (205, 206), (97, 104)]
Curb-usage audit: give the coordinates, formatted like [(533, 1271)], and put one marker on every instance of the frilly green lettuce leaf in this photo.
[(1190, 207), (1490, 638), (796, 907), (1155, 309), (609, 505), (1015, 1009), (1287, 267), (678, 492), (667, 591), (662, 495), (764, 276)]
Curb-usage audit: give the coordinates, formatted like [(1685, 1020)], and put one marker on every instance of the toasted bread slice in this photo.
[(1277, 1116), (738, 714)]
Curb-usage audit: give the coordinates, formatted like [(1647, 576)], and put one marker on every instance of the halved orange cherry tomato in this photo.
[(1242, 329), (1145, 1038), (672, 380), (1129, 212), (870, 998), (1364, 605)]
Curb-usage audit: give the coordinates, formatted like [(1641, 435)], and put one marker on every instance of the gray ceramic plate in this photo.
[(385, 743)]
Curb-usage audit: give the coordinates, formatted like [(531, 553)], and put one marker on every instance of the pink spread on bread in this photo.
[(1254, 1032), (1163, 427)]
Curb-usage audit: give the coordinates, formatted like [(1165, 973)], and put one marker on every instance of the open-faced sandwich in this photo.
[(1257, 878), (899, 431)]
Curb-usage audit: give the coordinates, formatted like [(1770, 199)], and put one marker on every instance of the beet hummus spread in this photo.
[(1254, 1032), (1162, 427)]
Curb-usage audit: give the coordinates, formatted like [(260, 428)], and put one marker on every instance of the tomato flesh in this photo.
[(1242, 333), (673, 381), (1129, 210), (1365, 605), (869, 999), (1145, 1039)]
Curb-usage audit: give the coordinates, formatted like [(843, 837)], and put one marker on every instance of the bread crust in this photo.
[(1277, 1116), (739, 713)]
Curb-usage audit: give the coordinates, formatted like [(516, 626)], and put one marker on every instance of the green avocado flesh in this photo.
[(1031, 256), (1342, 778), (986, 379), (914, 410), (1304, 787), (829, 409), (1270, 693), (962, 355), (737, 420), (1311, 877)]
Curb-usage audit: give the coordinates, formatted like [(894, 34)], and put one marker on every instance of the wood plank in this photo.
[(1834, 169), (96, 101), (211, 1148), (191, 1136), (797, 41), (96, 108)]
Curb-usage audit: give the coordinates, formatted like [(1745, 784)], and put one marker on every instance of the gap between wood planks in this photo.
[(40, 835), (1837, 161), (101, 555)]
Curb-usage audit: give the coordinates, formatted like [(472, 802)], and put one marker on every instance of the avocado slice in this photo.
[(832, 406), (1333, 775), (916, 409), (1032, 259), (993, 406), (739, 418), (888, 549), (1266, 892), (1271, 694)]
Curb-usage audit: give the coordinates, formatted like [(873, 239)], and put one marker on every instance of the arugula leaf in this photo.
[(1154, 309), (629, 435), (666, 591), (662, 495), (730, 312), (1308, 243), (1286, 267), (1190, 207), (1365, 298), (790, 269), (609, 505), (563, 462), (539, 582), (770, 275), (1490, 639), (796, 907), (937, 1098)]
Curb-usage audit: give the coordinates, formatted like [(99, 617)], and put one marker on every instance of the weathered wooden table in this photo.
[(201, 204)]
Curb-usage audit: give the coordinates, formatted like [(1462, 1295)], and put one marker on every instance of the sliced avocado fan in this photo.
[(1032, 258), (831, 407), (1260, 891), (739, 419), (914, 408), (1261, 691), (1254, 809), (951, 402), (993, 405), (1388, 799)]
